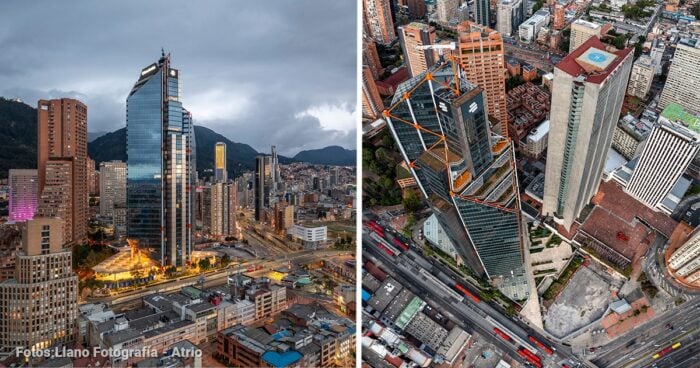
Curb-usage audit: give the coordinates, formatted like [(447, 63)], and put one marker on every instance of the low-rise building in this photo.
[(534, 144)]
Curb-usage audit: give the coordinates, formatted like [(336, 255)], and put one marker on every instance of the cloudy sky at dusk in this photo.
[(258, 74)]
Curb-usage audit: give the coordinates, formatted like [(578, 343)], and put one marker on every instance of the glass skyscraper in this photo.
[(161, 172), (464, 171)]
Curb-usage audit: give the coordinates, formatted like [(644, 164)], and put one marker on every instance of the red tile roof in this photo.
[(573, 68)]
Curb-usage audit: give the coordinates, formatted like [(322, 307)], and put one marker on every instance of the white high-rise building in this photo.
[(23, 193), (581, 31), (590, 85), (685, 261), (667, 153), (641, 77), (683, 80)]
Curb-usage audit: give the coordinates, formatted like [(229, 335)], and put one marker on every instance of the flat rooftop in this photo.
[(592, 61)]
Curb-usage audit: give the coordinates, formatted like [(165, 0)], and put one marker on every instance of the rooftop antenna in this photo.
[(162, 52)]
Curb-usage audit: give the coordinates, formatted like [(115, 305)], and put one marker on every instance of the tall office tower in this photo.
[(23, 194), (93, 182), (377, 17), (590, 85), (62, 137), (466, 174), (415, 35), (274, 170), (260, 185), (482, 12), (683, 80), (370, 57), (685, 261), (112, 186), (333, 177), (481, 58), (667, 153), (559, 21), (446, 11), (509, 15), (39, 306), (581, 31), (641, 77), (656, 54), (161, 174), (220, 171), (372, 105), (416, 8)]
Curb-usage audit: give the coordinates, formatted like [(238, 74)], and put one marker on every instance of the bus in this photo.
[(540, 345), (467, 293)]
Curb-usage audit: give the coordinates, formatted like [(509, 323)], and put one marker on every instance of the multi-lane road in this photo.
[(472, 316)]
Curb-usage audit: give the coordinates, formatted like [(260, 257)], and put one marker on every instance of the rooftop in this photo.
[(675, 112), (591, 61)]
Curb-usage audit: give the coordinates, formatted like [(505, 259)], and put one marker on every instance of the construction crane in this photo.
[(439, 47), (445, 46)]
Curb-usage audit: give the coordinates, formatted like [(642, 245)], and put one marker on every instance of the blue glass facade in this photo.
[(481, 214), (161, 172)]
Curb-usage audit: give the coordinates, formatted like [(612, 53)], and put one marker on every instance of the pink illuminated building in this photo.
[(23, 194)]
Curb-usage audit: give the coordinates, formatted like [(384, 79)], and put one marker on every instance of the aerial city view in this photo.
[(530, 183), (178, 184)]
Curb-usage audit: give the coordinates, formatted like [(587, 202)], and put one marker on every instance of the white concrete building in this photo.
[(509, 16), (531, 27), (589, 86), (666, 155), (310, 236), (536, 142), (581, 31), (683, 80)]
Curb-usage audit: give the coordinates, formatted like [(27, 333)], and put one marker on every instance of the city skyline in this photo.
[(223, 98)]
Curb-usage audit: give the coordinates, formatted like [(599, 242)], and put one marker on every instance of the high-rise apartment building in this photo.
[(23, 193), (57, 197), (39, 307), (274, 170), (480, 54), (413, 36), (641, 77), (559, 21), (668, 151), (685, 261), (377, 17), (372, 105), (62, 137), (161, 175), (465, 173), (589, 87), (683, 80), (509, 15), (447, 11), (581, 31), (482, 12), (93, 177), (219, 209), (112, 186), (220, 171), (370, 57)]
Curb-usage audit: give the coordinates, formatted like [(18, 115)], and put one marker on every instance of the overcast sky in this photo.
[(255, 73)]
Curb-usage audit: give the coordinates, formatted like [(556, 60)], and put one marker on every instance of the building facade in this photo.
[(372, 105), (589, 87), (685, 261), (667, 153), (480, 55), (415, 35), (112, 187), (509, 16), (641, 77), (40, 304), (378, 20), (482, 12), (683, 80), (446, 11), (23, 193), (220, 162), (62, 137), (581, 31), (161, 173), (466, 174), (529, 29)]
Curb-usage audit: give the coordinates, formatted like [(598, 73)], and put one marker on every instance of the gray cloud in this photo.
[(256, 73)]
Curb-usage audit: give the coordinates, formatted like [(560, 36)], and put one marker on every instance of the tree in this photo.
[(411, 201), (696, 10), (204, 264), (225, 260), (537, 6)]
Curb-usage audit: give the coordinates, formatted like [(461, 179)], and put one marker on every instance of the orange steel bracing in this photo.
[(464, 177)]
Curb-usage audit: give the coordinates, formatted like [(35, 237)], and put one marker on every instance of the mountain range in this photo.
[(18, 135)]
